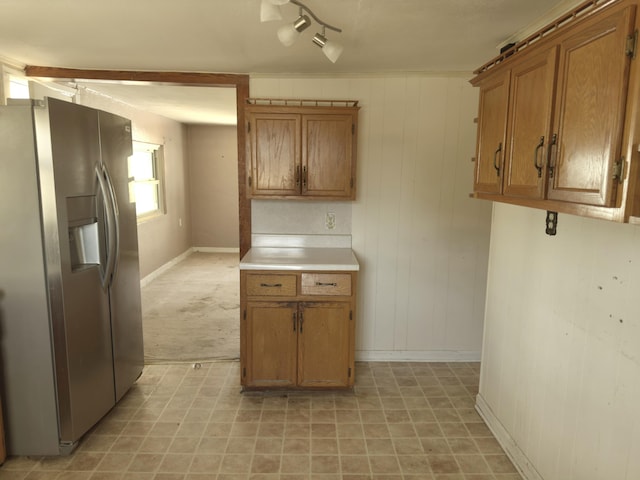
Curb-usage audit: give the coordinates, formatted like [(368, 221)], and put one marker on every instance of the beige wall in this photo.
[(162, 238), (213, 186), (560, 380), (421, 241)]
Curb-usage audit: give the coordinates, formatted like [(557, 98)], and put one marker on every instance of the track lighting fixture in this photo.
[(288, 34)]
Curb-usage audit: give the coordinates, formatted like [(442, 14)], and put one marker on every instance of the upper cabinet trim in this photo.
[(583, 10)]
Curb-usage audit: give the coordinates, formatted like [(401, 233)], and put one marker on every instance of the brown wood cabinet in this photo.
[(558, 116), (301, 151), (492, 127), (297, 329)]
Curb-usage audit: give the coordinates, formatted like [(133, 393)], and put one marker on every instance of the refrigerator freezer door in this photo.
[(126, 316), (69, 148), (25, 339)]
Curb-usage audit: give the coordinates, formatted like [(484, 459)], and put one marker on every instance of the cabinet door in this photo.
[(271, 344), (323, 345), (529, 130), (327, 145), (592, 86), (275, 154), (492, 123)]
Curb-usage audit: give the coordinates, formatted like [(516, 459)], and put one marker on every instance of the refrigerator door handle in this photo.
[(107, 272), (115, 254)]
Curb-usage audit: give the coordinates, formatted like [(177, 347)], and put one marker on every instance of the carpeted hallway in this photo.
[(191, 312)]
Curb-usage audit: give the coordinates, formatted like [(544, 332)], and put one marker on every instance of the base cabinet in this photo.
[(297, 339), (323, 344), (271, 338)]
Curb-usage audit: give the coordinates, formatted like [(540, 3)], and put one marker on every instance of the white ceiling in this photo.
[(226, 36)]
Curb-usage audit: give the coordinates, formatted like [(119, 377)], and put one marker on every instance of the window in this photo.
[(13, 84), (146, 179), (18, 87)]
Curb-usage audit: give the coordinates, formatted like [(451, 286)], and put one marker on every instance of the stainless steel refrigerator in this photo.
[(70, 316)]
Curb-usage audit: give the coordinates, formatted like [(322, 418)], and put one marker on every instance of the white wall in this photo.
[(421, 241), (560, 380)]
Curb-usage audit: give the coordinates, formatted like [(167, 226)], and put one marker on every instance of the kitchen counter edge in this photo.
[(298, 259)]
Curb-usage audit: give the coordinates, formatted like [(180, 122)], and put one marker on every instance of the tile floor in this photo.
[(402, 421)]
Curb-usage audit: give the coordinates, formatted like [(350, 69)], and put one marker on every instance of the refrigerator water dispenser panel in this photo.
[(84, 236), (85, 249)]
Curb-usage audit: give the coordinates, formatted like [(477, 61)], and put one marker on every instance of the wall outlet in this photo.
[(330, 221)]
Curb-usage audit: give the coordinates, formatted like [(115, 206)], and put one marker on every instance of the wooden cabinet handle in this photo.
[(321, 284), (496, 165), (294, 321), (554, 153), (297, 175), (271, 285), (301, 322), (536, 155)]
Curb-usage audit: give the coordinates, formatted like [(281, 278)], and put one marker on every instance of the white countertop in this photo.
[(290, 258)]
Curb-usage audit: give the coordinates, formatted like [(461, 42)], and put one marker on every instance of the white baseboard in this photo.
[(216, 250), (416, 356), (506, 441), (156, 273)]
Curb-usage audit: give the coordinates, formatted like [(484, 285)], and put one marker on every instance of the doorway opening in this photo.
[(194, 304)]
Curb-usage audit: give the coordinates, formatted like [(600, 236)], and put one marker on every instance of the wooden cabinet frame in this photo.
[(584, 144), (301, 151), (302, 339)]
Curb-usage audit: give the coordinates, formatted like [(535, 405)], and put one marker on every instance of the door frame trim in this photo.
[(240, 82)]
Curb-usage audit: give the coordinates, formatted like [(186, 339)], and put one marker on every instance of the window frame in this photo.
[(157, 167)]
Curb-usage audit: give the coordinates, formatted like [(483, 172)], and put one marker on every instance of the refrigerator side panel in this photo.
[(26, 363), (126, 314), (81, 326)]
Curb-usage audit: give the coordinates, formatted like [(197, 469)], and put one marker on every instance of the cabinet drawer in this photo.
[(271, 285), (326, 284)]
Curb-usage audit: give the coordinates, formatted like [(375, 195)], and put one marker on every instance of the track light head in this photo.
[(288, 34), (332, 50), (270, 10)]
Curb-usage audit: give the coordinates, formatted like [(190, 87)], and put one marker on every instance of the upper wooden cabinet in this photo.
[(529, 130), (558, 116), (492, 124), (301, 151), (592, 93)]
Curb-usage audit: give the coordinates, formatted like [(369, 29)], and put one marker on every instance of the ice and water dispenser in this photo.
[(84, 232)]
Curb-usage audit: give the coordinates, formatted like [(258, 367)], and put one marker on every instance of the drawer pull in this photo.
[(271, 285), (321, 284)]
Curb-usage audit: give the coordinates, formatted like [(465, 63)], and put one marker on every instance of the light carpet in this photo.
[(191, 313)]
